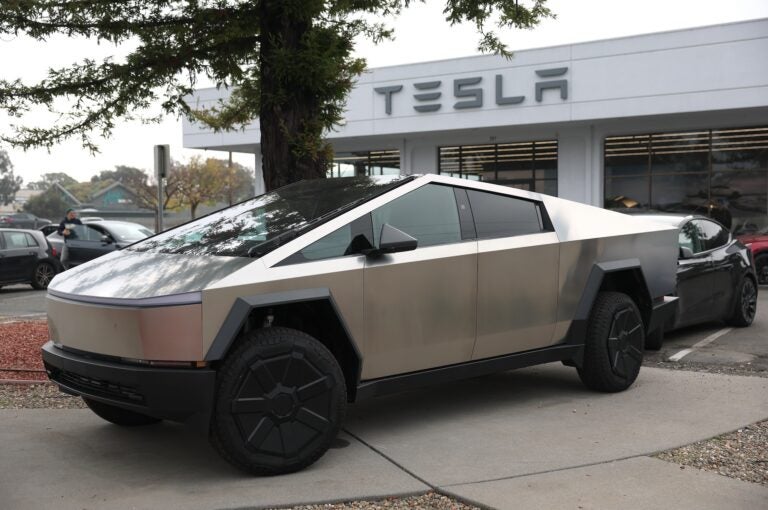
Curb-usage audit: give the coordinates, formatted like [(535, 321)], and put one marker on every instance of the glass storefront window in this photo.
[(351, 164), (524, 165), (720, 173)]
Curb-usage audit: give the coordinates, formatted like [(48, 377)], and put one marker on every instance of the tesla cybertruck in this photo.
[(260, 322)]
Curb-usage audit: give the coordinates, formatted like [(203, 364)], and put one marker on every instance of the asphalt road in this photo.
[(739, 349), (742, 349), (21, 301)]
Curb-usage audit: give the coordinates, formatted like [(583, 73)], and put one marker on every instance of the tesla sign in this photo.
[(469, 91)]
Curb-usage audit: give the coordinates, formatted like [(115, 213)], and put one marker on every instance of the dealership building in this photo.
[(675, 121)]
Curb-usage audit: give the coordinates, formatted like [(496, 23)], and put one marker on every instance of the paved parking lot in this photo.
[(717, 347), (21, 301), (532, 438)]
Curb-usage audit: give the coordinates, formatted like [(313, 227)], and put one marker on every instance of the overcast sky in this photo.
[(421, 35)]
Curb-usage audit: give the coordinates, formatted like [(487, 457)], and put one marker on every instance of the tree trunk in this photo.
[(193, 209), (291, 143)]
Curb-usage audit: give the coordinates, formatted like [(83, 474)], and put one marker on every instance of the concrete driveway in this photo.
[(533, 438)]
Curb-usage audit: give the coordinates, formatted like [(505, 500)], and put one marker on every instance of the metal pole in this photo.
[(162, 162), (159, 204)]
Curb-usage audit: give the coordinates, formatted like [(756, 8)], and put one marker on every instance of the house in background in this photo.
[(121, 203), (19, 200), (68, 198)]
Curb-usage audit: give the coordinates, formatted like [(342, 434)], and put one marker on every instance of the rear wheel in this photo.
[(280, 402), (613, 350), (118, 415), (761, 267), (746, 304), (44, 273)]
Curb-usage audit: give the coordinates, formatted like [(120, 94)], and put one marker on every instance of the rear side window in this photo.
[(31, 241), (15, 240), (712, 235), (429, 214), (503, 216)]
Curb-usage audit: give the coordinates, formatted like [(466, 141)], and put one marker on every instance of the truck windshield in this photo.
[(259, 225)]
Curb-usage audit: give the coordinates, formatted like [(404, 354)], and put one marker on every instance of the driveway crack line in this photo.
[(391, 460)]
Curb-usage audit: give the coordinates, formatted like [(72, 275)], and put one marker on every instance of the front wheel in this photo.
[(44, 273), (118, 415), (745, 307), (280, 402), (613, 349)]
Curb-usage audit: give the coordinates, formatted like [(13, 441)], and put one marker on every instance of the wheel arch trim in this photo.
[(244, 305), (597, 275)]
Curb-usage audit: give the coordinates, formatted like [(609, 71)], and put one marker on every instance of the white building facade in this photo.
[(675, 121)]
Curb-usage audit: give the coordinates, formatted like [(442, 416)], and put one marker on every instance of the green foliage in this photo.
[(238, 183), (48, 204), (199, 182), (49, 179), (83, 191), (9, 184), (289, 62)]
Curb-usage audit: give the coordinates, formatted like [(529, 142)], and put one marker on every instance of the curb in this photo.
[(24, 382)]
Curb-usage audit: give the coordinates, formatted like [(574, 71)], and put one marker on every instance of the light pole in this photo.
[(162, 163)]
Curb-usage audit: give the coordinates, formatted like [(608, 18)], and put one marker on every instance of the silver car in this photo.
[(260, 322)]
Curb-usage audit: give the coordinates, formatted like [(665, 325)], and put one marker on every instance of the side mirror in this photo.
[(107, 239), (685, 252), (392, 240)]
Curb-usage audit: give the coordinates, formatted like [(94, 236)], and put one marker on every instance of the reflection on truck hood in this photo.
[(132, 275)]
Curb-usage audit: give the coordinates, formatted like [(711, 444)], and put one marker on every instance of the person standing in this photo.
[(66, 231)]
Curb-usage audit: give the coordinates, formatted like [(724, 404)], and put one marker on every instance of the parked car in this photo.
[(758, 243), (261, 321), (22, 220), (716, 278), (26, 257), (48, 229), (97, 238)]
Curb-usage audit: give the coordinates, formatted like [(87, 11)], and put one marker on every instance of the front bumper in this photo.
[(176, 394)]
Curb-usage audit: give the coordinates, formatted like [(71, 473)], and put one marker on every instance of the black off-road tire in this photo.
[(745, 305), (280, 402), (655, 340), (118, 415), (42, 275), (761, 268), (613, 350)]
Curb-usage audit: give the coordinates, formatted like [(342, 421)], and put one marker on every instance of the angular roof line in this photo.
[(111, 186), (67, 193)]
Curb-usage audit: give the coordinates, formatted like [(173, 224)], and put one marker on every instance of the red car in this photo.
[(758, 243)]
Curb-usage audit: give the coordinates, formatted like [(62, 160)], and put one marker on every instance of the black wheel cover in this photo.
[(281, 399), (282, 404), (613, 345), (625, 342)]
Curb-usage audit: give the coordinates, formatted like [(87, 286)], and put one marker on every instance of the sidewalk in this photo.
[(533, 438)]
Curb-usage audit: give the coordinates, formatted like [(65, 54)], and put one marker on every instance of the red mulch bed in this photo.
[(20, 344)]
